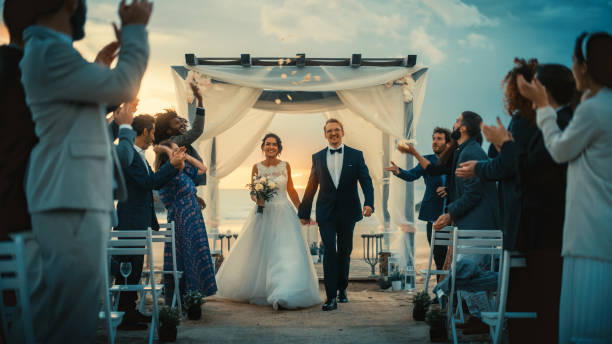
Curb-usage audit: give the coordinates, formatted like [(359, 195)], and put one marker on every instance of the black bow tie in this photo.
[(334, 151)]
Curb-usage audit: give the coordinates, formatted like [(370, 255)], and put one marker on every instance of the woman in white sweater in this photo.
[(586, 145)]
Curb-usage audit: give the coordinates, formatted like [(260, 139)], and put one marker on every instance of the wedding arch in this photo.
[(378, 100)]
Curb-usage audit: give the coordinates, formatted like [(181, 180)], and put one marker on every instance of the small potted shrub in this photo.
[(396, 280), (169, 319), (383, 283), (421, 303), (192, 303), (436, 319), (314, 251)]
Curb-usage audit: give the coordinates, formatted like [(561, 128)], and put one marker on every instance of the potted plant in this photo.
[(436, 319), (169, 319), (192, 302), (383, 283), (396, 280), (421, 303), (314, 251)]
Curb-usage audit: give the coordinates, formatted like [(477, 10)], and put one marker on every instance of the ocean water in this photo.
[(235, 205)]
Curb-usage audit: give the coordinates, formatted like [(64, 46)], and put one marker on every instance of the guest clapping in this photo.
[(69, 185), (586, 291)]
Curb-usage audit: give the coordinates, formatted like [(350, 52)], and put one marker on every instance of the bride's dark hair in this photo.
[(279, 143)]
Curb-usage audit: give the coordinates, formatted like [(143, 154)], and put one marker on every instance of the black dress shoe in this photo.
[(330, 305), (342, 296)]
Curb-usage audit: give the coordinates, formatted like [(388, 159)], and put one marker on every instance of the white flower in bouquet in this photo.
[(259, 187), (263, 180), (272, 185)]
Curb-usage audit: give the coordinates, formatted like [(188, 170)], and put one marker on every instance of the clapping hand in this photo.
[(125, 112), (534, 91), (177, 158), (138, 12), (497, 135), (106, 56), (393, 168), (466, 169)]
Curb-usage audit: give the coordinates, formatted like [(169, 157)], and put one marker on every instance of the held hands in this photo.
[(441, 191), (138, 12), (367, 211), (442, 221), (393, 168), (466, 169), (497, 135)]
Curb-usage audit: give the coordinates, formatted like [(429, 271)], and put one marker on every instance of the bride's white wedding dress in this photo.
[(270, 263)]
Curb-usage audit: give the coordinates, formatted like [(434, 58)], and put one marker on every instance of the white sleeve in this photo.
[(567, 145)]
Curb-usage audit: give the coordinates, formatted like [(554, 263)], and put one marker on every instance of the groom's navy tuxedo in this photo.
[(338, 209)]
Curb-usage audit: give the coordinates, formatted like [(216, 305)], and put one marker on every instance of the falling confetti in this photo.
[(277, 101), (289, 97), (293, 72), (317, 78), (307, 77), (288, 61), (283, 76), (269, 69)]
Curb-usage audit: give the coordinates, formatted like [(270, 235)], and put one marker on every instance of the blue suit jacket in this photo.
[(344, 201), (137, 212), (432, 204)]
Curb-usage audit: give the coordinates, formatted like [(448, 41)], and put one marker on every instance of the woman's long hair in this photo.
[(514, 102), (559, 82)]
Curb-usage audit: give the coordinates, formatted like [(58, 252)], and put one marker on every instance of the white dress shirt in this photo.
[(141, 153), (334, 164)]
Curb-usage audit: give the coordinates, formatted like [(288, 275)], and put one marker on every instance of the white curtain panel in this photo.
[(419, 96)]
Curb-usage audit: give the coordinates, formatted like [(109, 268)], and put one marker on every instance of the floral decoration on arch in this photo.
[(408, 87)]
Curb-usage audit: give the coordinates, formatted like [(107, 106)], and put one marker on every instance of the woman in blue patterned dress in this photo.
[(192, 251)]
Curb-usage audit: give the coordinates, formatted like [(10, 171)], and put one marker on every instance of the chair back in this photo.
[(13, 278)]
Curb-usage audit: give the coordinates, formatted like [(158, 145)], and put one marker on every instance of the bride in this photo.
[(269, 263)]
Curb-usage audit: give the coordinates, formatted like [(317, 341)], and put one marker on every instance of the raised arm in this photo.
[(293, 195), (311, 188), (197, 126), (197, 164)]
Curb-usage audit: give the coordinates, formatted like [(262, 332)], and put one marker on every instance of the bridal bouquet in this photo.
[(263, 189)]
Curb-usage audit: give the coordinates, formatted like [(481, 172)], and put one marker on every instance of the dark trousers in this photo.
[(127, 299), (536, 288), (439, 253), (337, 236)]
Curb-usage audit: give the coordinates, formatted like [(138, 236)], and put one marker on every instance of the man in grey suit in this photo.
[(69, 185)]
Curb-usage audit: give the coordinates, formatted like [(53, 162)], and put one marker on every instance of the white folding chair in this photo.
[(137, 243), (168, 235), (442, 237), (472, 242), (13, 278), (115, 317), (496, 320)]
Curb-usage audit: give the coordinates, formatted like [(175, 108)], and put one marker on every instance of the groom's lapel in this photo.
[(345, 163), (323, 157)]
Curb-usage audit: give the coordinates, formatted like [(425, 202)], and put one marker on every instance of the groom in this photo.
[(337, 169)]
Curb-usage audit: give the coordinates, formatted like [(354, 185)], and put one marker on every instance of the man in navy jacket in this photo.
[(137, 212), (432, 204)]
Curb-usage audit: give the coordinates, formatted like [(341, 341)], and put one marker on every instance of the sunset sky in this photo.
[(468, 45)]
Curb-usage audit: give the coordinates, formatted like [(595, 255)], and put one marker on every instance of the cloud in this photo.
[(423, 42), (475, 40), (455, 13), (325, 21)]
